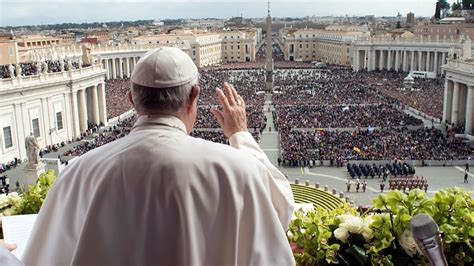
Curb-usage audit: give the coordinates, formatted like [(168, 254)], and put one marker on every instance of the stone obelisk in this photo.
[(269, 54)]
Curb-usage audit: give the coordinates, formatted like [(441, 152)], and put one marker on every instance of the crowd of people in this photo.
[(334, 86), (385, 144), (116, 97), (426, 95), (96, 141), (324, 116)]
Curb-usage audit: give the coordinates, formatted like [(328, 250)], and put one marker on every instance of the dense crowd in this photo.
[(99, 140), (116, 97), (322, 87), (324, 116), (427, 95), (205, 119), (385, 144), (248, 83)]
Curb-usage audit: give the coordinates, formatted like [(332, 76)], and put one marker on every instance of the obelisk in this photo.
[(269, 54)]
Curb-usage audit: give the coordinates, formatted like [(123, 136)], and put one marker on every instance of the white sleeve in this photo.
[(280, 190)]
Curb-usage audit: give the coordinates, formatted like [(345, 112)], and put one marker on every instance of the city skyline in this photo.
[(28, 12)]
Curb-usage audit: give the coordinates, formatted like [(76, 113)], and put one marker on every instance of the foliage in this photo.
[(383, 235), (29, 202), (312, 234)]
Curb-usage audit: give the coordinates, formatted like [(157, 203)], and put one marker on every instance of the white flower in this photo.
[(341, 234), (408, 243), (353, 224)]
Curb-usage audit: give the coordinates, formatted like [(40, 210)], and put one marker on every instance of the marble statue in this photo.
[(18, 70), (466, 48), (61, 64), (38, 67), (451, 53), (69, 65), (11, 68), (32, 149), (45, 67)]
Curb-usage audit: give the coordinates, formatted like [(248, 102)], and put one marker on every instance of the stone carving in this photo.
[(18, 70), (451, 53), (11, 68), (32, 150), (61, 64), (45, 67), (466, 48)]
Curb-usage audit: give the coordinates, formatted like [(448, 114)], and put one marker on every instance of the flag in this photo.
[(356, 149)]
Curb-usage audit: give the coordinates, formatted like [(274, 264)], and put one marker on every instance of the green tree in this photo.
[(444, 5)]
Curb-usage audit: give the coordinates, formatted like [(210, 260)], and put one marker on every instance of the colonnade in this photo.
[(458, 105), (88, 107), (399, 60), (119, 67)]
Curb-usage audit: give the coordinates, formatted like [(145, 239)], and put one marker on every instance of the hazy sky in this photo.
[(27, 12)]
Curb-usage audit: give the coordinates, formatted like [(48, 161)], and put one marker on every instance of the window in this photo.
[(59, 120), (7, 137), (35, 124), (10, 51)]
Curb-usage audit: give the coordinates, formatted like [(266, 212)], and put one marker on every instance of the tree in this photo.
[(444, 7)]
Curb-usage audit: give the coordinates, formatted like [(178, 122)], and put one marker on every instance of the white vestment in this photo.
[(161, 197)]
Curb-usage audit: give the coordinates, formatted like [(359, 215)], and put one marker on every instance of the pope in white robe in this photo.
[(161, 197)]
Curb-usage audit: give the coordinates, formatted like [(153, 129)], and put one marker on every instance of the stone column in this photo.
[(102, 103), (95, 105), (134, 62), (389, 60), (443, 58), (396, 60), (469, 109), (114, 68), (380, 59), (412, 61), (420, 57), (405, 61), (370, 60), (455, 106), (462, 103), (127, 67), (436, 65), (428, 61), (82, 110), (120, 62), (105, 62), (75, 114), (448, 100)]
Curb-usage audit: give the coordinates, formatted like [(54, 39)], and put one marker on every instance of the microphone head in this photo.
[(423, 226)]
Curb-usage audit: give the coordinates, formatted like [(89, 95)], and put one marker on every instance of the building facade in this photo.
[(404, 54), (458, 104), (55, 107), (37, 41), (238, 46), (8, 50), (204, 48), (332, 47)]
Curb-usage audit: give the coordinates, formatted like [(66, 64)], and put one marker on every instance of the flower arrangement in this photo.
[(30, 201), (382, 236)]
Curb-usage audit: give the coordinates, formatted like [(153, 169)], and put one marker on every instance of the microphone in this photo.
[(426, 234)]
